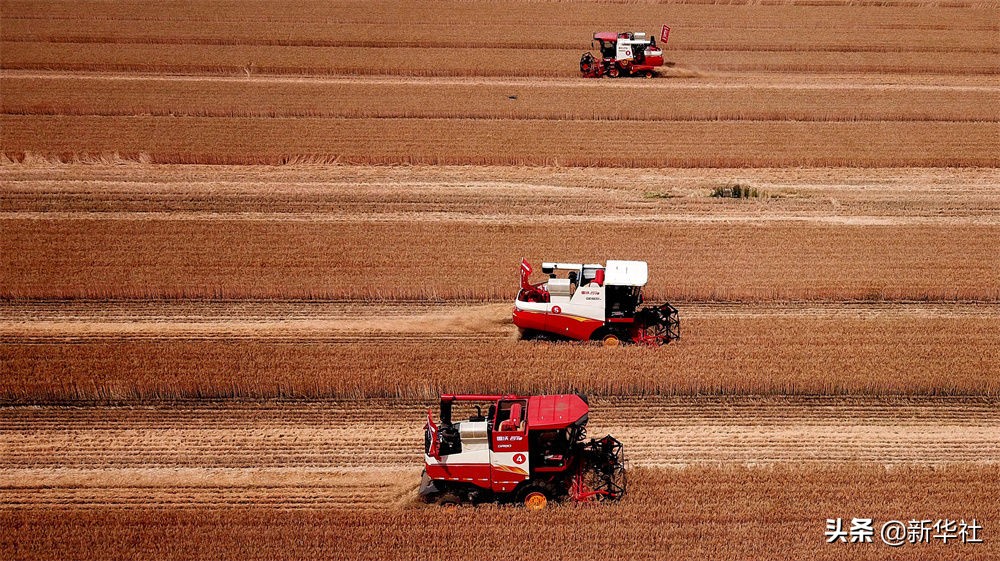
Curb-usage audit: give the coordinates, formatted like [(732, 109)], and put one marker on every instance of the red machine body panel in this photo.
[(477, 474), (566, 325), (509, 458), (555, 411)]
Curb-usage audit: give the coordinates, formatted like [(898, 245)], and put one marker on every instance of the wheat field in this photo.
[(244, 246), (144, 351), (286, 487), (713, 512)]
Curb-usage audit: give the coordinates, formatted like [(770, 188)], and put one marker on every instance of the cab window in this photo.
[(511, 416)]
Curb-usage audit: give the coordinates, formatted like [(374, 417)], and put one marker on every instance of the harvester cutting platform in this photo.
[(625, 53), (527, 450), (592, 302)]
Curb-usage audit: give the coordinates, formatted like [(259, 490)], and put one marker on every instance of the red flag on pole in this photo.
[(432, 431), (664, 34), (525, 273)]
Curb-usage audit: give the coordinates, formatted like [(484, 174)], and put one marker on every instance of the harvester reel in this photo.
[(660, 325), (602, 471)]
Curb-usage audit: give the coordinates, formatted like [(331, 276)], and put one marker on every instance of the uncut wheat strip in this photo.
[(448, 61), (724, 356), (74, 95), (780, 35), (154, 258), (924, 13), (472, 141), (460, 21)]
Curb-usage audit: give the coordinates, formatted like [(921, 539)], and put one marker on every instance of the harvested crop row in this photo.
[(236, 97), (518, 142), (337, 260), (127, 189), (225, 447), (891, 354), (693, 513)]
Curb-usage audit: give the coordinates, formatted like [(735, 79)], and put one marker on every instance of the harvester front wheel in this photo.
[(614, 72), (535, 497), (536, 500), (611, 340)]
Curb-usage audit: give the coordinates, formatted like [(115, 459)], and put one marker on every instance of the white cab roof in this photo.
[(562, 266), (626, 273)]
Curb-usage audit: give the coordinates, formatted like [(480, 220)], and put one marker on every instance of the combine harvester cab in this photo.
[(624, 54), (593, 302), (529, 450)]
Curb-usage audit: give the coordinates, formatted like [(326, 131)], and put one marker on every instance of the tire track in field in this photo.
[(368, 454)]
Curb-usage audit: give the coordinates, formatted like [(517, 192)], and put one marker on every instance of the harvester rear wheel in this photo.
[(449, 500), (610, 340), (614, 72)]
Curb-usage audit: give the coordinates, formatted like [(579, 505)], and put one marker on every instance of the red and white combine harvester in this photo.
[(592, 302), (528, 450), (624, 54)]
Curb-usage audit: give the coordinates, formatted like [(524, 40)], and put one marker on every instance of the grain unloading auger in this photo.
[(526, 449), (593, 302)]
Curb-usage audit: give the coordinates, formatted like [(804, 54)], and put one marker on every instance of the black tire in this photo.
[(449, 500)]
